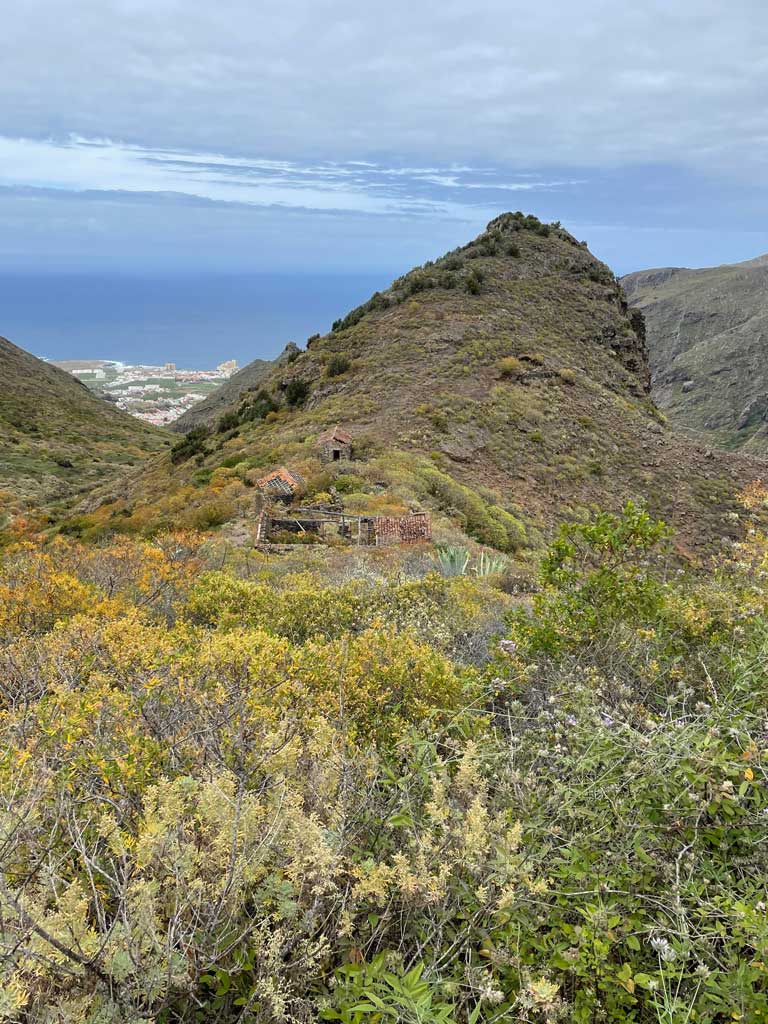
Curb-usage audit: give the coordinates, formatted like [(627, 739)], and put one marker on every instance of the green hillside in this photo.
[(57, 440), (504, 387)]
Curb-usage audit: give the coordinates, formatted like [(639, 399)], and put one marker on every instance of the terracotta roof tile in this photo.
[(335, 434)]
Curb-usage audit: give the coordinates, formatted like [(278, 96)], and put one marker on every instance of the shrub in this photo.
[(228, 421), (533, 357), (212, 514), (297, 391), (192, 443), (600, 274), (231, 461), (474, 282), (337, 365), (202, 477), (594, 574), (490, 525), (511, 368), (348, 483), (256, 407), (567, 376)]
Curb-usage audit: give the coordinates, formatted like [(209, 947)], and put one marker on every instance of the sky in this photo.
[(173, 139)]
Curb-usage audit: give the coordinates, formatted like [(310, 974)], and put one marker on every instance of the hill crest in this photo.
[(505, 386)]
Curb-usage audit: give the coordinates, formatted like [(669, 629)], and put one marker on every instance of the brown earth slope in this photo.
[(504, 386)]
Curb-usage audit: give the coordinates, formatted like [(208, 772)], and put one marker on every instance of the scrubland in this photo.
[(347, 786)]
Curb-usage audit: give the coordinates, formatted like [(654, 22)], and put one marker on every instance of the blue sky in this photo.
[(167, 137)]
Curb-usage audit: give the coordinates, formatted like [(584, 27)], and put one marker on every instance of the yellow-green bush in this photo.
[(278, 799)]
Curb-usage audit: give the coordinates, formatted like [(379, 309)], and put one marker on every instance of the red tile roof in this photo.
[(335, 434), (280, 481)]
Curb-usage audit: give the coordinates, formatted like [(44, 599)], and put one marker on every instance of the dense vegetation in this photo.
[(236, 789)]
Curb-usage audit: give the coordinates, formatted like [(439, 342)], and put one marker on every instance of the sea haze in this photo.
[(195, 321)]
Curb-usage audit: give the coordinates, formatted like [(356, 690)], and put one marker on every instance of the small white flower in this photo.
[(664, 949)]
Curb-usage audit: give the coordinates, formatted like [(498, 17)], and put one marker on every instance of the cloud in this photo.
[(383, 132), (504, 82), (81, 165)]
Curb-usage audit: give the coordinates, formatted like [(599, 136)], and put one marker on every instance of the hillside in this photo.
[(56, 438), (248, 379), (707, 334), (504, 386)]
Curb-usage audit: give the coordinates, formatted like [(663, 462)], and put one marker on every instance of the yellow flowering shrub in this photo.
[(283, 792)]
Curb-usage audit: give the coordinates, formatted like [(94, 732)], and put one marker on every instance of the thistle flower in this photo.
[(664, 949)]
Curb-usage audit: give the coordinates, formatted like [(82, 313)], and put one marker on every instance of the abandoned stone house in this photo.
[(334, 445)]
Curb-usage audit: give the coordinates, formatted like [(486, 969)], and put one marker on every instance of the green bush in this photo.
[(488, 524), (228, 421), (596, 574), (348, 483), (256, 407), (212, 514), (192, 443), (337, 365), (474, 282), (297, 391)]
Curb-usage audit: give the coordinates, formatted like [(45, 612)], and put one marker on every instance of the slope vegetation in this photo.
[(219, 401), (707, 331), (504, 386), (57, 439)]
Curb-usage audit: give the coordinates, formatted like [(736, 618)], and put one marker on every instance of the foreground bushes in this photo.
[(264, 800)]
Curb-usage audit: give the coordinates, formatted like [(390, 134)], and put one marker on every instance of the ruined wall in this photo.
[(403, 529)]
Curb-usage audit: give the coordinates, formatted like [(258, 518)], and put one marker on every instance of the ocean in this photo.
[(195, 321)]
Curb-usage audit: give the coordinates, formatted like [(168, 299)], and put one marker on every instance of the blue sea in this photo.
[(195, 321)]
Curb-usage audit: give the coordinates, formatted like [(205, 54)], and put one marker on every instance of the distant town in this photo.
[(157, 394)]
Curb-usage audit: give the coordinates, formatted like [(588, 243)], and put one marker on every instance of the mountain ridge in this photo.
[(504, 386), (707, 331), (248, 378)]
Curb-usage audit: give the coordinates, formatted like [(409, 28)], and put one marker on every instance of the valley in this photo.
[(415, 675)]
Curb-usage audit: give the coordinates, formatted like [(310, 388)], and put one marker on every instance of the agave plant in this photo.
[(488, 564), (453, 560)]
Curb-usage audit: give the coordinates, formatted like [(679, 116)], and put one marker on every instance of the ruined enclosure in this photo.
[(376, 531)]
